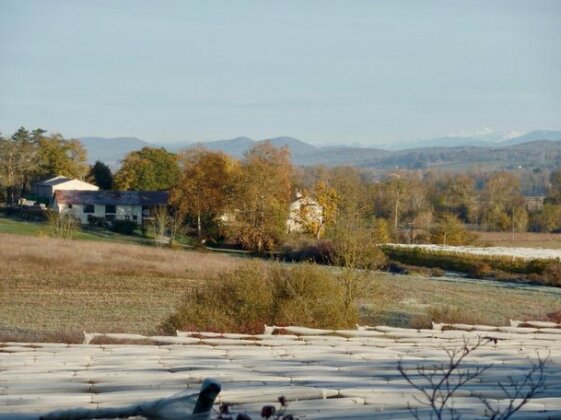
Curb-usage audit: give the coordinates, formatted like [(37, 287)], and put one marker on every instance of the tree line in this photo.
[(247, 200)]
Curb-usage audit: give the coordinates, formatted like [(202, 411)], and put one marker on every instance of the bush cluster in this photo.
[(350, 251), (255, 293), (126, 227), (320, 252), (96, 221)]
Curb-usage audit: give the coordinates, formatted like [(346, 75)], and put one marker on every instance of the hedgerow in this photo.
[(536, 270)]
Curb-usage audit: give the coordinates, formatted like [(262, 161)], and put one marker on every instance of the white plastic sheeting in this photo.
[(333, 374)]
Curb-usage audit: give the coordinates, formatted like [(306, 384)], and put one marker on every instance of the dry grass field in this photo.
[(521, 239), (54, 289), (414, 301), (57, 287)]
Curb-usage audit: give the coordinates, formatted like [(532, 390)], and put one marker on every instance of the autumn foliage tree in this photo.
[(328, 198), (454, 194), (16, 162), (27, 156), (262, 197), (59, 156), (148, 169), (451, 231), (204, 188), (503, 202)]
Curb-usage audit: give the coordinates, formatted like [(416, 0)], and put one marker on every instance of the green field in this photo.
[(41, 229)]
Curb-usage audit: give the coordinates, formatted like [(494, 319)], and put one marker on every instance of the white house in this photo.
[(303, 212), (108, 205), (46, 189)]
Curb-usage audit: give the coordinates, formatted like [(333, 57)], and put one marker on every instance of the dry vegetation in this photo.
[(521, 239), (415, 301), (264, 293), (52, 286), (54, 289)]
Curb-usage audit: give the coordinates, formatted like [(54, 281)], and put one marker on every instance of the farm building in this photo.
[(108, 205), (44, 191)]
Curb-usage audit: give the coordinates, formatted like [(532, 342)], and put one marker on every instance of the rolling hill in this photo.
[(111, 150), (540, 148)]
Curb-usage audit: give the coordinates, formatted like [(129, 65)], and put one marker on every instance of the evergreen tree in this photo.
[(100, 174)]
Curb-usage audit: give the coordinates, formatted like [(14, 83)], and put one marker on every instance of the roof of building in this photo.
[(124, 198), (59, 179)]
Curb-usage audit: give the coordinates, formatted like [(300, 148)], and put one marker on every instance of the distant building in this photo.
[(43, 191), (303, 212), (108, 205), (534, 203)]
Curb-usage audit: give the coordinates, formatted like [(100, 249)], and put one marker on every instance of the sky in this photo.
[(324, 71)]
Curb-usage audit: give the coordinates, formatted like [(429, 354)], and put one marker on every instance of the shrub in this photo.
[(320, 252), (309, 295), (62, 226), (255, 293), (445, 314), (126, 227), (437, 272), (451, 231), (96, 221), (481, 270), (552, 274)]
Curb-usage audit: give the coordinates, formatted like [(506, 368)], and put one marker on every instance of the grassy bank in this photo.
[(54, 289)]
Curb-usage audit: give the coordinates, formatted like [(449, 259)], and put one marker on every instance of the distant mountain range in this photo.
[(483, 138), (538, 147), (111, 150)]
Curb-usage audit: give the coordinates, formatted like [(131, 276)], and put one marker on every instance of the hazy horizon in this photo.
[(360, 73)]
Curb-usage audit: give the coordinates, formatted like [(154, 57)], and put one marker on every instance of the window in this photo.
[(135, 217), (127, 217), (110, 209), (110, 217), (89, 208), (70, 206)]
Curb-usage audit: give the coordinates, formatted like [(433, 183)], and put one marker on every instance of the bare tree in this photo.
[(439, 383), (519, 392), (166, 226)]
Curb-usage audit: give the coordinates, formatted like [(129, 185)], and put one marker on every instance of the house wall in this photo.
[(122, 212), (42, 190), (131, 212)]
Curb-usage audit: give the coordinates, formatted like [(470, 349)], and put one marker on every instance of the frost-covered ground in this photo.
[(525, 253), (324, 374)]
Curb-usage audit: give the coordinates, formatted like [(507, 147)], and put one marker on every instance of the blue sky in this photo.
[(325, 71)]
